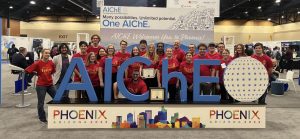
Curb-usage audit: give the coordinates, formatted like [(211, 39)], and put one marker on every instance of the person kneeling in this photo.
[(135, 85)]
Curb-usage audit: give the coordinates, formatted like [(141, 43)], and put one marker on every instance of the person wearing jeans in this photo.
[(44, 68), (61, 63)]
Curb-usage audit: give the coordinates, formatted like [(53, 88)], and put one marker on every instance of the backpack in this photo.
[(278, 55)]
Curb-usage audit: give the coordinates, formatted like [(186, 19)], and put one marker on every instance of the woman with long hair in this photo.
[(225, 97), (135, 66), (160, 50), (101, 53), (110, 51), (239, 51), (153, 57), (93, 70), (44, 68)]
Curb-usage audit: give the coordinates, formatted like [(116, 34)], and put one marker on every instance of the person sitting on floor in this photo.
[(134, 85)]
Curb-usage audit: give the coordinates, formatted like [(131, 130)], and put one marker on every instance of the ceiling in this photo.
[(229, 9)]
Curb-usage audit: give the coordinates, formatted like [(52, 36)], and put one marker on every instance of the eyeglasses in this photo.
[(123, 44)]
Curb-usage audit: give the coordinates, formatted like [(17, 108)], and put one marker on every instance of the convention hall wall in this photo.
[(14, 27), (244, 31)]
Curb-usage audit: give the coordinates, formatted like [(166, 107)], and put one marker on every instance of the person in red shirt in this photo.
[(221, 48), (225, 97), (212, 54), (177, 52), (101, 53), (191, 50), (134, 85), (153, 57), (267, 62), (160, 50), (95, 44), (135, 66), (143, 47), (173, 65), (115, 66), (187, 69), (123, 55), (205, 70), (239, 51), (77, 78), (93, 71), (44, 68)]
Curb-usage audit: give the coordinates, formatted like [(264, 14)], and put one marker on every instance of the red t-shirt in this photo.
[(122, 56), (115, 64), (137, 88), (44, 71), (204, 69), (92, 70), (187, 70), (133, 67), (160, 57), (153, 63), (265, 60), (94, 49), (221, 70), (173, 65), (178, 54), (215, 55), (143, 52), (83, 57)]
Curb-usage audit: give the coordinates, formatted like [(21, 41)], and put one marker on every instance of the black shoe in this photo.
[(44, 120), (262, 103), (28, 85)]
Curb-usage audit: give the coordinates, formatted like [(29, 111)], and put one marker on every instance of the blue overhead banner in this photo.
[(156, 25)]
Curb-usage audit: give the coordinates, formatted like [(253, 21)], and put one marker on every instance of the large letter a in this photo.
[(85, 85)]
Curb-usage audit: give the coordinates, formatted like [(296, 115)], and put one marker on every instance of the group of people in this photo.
[(51, 71)]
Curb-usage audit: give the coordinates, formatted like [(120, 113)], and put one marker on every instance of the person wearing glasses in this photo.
[(95, 44), (123, 55)]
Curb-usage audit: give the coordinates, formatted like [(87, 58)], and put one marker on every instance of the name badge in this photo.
[(223, 65)]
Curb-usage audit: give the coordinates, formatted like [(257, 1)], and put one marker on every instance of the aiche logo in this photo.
[(79, 114), (234, 114)]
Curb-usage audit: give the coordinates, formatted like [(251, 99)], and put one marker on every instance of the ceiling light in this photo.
[(48, 8), (246, 12), (259, 7), (11, 7), (277, 1), (298, 12), (282, 16), (32, 2), (269, 19), (98, 17), (153, 5)]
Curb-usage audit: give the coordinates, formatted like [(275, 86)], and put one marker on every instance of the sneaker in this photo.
[(44, 121)]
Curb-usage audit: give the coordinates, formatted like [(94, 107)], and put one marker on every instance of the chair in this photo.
[(289, 78)]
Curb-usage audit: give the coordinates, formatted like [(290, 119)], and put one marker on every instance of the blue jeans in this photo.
[(41, 94)]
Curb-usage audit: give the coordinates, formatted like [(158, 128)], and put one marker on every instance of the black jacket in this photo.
[(19, 60)]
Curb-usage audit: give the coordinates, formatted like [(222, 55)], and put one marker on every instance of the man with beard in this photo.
[(61, 63)]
